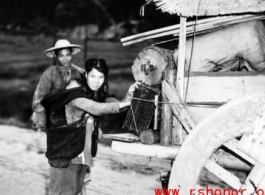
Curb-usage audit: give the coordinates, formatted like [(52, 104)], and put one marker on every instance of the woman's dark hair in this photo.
[(101, 66), (56, 52)]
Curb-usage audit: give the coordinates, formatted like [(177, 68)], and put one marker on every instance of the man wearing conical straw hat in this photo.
[(54, 78)]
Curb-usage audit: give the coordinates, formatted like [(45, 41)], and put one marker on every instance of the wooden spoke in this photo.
[(223, 174)]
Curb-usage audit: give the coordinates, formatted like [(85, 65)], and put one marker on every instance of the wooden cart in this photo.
[(236, 126)]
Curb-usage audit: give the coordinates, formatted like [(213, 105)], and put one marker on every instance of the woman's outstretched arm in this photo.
[(128, 96), (96, 108)]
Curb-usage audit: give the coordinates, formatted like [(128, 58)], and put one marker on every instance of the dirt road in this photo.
[(24, 169)]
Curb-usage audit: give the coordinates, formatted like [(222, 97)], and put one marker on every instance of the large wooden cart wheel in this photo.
[(243, 117)]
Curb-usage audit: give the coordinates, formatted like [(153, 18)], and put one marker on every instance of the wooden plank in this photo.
[(176, 30), (222, 87), (166, 113), (224, 74), (253, 141), (181, 57), (254, 179), (181, 68), (151, 151), (177, 126), (225, 159), (178, 107), (175, 135), (232, 145), (127, 137), (223, 174), (173, 27), (157, 109)]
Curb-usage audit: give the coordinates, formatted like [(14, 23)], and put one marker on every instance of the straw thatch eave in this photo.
[(189, 8)]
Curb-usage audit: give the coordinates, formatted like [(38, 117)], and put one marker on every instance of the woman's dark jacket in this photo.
[(66, 141)]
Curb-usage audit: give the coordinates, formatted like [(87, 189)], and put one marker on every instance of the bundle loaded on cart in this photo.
[(205, 100)]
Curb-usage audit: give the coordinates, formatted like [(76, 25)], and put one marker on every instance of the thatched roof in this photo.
[(189, 8)]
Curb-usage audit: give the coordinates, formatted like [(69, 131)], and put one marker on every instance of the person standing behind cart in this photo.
[(54, 78)]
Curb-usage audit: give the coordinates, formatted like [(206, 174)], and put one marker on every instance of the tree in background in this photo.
[(47, 16)]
